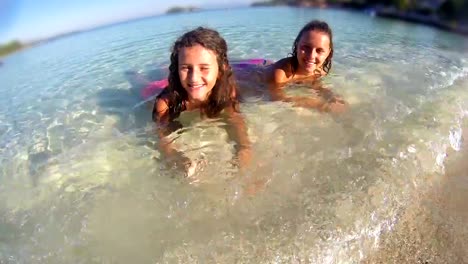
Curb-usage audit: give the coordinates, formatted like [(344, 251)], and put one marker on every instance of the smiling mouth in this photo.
[(196, 87), (310, 63)]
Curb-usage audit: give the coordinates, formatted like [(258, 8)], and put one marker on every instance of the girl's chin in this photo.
[(310, 70), (197, 97)]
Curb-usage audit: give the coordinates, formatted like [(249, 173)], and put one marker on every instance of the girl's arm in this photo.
[(165, 127), (277, 94), (244, 152), (332, 102), (238, 133), (326, 101), (280, 72)]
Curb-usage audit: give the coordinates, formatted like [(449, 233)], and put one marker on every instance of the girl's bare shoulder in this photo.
[(161, 108), (284, 64), (281, 71)]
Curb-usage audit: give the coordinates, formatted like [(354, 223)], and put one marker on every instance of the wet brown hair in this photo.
[(222, 94), (319, 26)]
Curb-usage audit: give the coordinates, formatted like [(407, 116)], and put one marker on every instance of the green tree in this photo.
[(403, 5), (10, 47), (454, 9)]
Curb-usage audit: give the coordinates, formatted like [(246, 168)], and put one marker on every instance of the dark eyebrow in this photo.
[(201, 64)]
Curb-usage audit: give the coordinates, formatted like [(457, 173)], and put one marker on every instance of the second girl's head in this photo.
[(200, 72), (312, 50)]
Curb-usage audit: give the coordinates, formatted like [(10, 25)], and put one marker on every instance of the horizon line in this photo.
[(51, 37)]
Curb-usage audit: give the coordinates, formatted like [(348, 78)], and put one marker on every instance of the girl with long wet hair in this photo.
[(200, 79), (310, 60)]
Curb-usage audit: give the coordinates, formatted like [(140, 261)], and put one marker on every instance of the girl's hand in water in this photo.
[(190, 169), (193, 168), (330, 101), (181, 163), (307, 102), (255, 181), (335, 105), (254, 186), (244, 156), (238, 132), (252, 175)]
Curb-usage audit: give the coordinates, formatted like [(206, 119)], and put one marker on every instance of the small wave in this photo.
[(452, 78)]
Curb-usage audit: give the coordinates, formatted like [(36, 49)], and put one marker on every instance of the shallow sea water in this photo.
[(81, 180)]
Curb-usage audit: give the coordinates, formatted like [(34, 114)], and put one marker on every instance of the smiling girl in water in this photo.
[(311, 59), (311, 56), (200, 79)]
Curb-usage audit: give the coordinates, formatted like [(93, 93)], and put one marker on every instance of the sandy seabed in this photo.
[(434, 228)]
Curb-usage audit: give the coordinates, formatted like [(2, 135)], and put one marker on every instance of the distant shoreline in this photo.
[(45, 40), (379, 11), (11, 48), (421, 19), (180, 9)]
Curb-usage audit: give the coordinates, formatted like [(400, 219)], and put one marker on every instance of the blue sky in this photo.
[(28, 20)]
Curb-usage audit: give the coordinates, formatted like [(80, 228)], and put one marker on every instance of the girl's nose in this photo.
[(313, 54), (194, 75)]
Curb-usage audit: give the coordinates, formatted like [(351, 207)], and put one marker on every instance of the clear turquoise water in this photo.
[(80, 176)]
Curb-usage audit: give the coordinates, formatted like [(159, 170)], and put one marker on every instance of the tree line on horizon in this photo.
[(10, 47), (448, 10), (445, 9), (181, 9)]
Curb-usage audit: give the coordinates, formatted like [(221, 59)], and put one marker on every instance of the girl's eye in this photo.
[(305, 48), (320, 51), (204, 68)]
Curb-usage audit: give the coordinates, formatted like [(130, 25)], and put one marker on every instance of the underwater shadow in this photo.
[(121, 103), (128, 105), (132, 108)]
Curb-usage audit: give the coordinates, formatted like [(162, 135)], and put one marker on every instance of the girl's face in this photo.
[(198, 71), (313, 49)]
